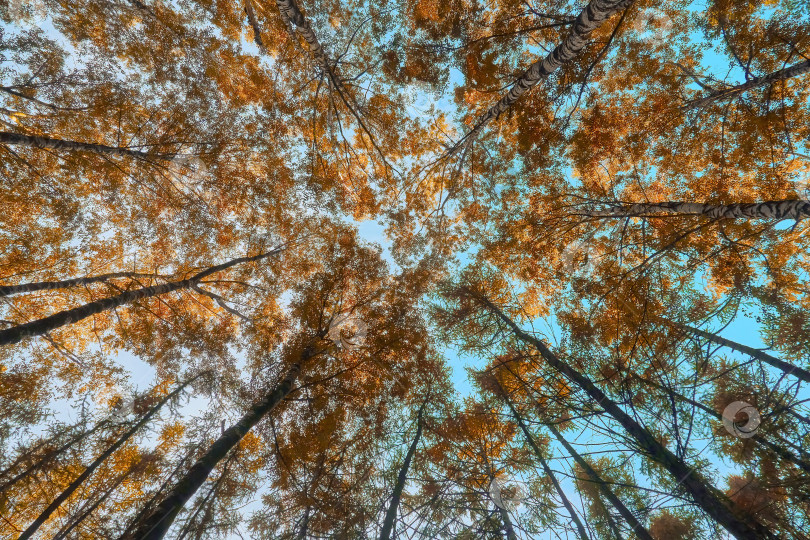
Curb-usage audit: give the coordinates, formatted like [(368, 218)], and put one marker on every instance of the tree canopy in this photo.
[(405, 269)]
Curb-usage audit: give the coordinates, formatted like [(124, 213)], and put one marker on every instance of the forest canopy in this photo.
[(410, 269)]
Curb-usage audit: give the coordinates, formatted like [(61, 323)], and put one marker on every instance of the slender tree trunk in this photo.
[(149, 505), (63, 318), (594, 477), (786, 209), (294, 18), (786, 367), (391, 514), (779, 75), (706, 496), (35, 141), (257, 30), (302, 534), (547, 470), (157, 523), (594, 14), (65, 532), (292, 14), (507, 524), (8, 290), (208, 496), (62, 497)]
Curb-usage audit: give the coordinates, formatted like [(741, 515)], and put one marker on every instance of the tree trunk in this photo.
[(786, 367), (391, 514), (8, 290), (257, 30), (157, 523), (594, 477), (291, 13), (594, 14), (530, 440), (43, 517), (148, 506), (786, 209), (704, 495), (507, 524), (63, 318), (779, 75), (35, 141), (294, 18), (81, 517), (204, 503)]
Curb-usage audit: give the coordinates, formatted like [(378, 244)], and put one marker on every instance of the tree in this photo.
[(596, 208)]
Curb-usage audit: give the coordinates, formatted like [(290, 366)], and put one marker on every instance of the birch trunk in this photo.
[(703, 494), (391, 514), (8, 290), (36, 141), (787, 209), (786, 367), (157, 523), (68, 491), (594, 14), (779, 75), (69, 316)]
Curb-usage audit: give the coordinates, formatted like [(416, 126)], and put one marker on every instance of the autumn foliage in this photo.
[(404, 269)]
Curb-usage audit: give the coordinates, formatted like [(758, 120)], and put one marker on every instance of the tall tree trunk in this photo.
[(779, 75), (157, 523), (61, 535), (292, 15), (189, 525), (786, 209), (786, 367), (63, 318), (36, 141), (8, 290), (156, 496), (507, 524), (294, 18), (391, 514), (604, 489), (257, 30), (68, 491), (547, 470), (703, 494), (594, 14)]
